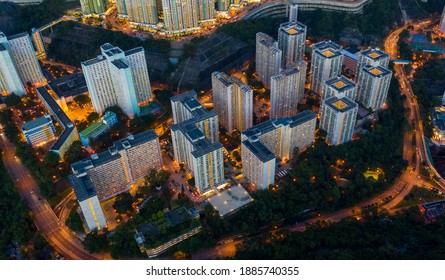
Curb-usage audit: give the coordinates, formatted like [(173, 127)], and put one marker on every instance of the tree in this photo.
[(74, 222), (51, 159), (12, 100), (95, 242), (92, 117), (74, 153), (124, 203), (82, 99)]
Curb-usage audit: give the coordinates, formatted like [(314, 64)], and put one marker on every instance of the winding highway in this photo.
[(44, 217)]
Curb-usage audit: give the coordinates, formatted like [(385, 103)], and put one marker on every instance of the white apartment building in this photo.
[(22, 52), (326, 62), (373, 57), (180, 15), (138, 11), (195, 141), (267, 142), (339, 86), (111, 172), (118, 78), (37, 39), (10, 81), (337, 118), (268, 58), (39, 131), (291, 41), (233, 100), (91, 211), (373, 86), (287, 90)]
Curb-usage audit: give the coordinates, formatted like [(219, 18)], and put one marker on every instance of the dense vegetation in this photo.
[(26, 153), (404, 236), (425, 76), (75, 42), (33, 16), (15, 224)]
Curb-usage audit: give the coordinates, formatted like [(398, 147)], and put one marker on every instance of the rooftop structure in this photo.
[(69, 134), (230, 200)]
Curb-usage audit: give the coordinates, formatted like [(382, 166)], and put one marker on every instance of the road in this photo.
[(393, 195), (44, 217)]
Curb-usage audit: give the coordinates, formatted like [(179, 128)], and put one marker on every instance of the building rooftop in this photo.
[(23, 34), (120, 64), (259, 150), (83, 187), (328, 49), (69, 85), (133, 51), (255, 131), (230, 200), (37, 123), (92, 130), (293, 28), (340, 83), (177, 216), (60, 116), (378, 71), (341, 104), (375, 54)]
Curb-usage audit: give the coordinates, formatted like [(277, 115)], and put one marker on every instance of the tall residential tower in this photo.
[(287, 90), (291, 40), (268, 58), (233, 100), (118, 78), (326, 62)]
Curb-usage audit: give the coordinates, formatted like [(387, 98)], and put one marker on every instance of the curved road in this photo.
[(44, 217)]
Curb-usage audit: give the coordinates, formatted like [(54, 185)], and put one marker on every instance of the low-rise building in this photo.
[(69, 133), (39, 131), (97, 128)]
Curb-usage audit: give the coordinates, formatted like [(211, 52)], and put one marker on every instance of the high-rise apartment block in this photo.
[(138, 11), (262, 144), (326, 62), (287, 90), (339, 86), (180, 15), (37, 39), (291, 41), (337, 118), (118, 78), (206, 10), (293, 12), (442, 22), (373, 86), (111, 172), (18, 57), (233, 100), (93, 6), (373, 57), (93, 215), (223, 5), (195, 141), (39, 131), (10, 81), (268, 58)]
